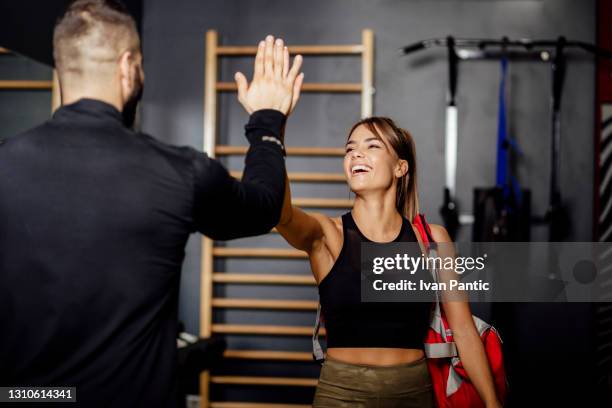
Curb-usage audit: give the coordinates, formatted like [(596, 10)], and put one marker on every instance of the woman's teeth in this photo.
[(359, 169)]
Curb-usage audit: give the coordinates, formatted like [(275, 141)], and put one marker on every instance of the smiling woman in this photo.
[(375, 351), (394, 153), (386, 338)]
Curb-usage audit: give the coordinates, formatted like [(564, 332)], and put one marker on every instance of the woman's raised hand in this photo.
[(275, 85)]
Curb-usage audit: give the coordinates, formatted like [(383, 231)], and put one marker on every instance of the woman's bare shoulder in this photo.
[(326, 221), (439, 233)]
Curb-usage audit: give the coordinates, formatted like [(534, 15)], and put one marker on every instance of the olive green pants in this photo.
[(364, 386)]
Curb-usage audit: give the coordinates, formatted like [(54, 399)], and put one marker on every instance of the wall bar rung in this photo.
[(306, 87), (248, 380), (232, 303), (240, 252), (296, 49), (270, 279), (43, 85), (291, 151), (307, 176), (223, 328), (268, 355)]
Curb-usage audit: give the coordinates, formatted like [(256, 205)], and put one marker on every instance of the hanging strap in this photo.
[(450, 136), (449, 210), (317, 351), (450, 150)]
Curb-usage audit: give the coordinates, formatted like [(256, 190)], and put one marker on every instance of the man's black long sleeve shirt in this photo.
[(94, 219)]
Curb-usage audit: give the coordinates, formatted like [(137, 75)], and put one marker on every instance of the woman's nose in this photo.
[(356, 153)]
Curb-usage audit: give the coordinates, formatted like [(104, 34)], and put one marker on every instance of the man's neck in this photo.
[(71, 97)]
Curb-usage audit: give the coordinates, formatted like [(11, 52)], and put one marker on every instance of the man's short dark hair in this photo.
[(94, 31)]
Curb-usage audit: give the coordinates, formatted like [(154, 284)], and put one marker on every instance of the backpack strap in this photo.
[(424, 230), (446, 349)]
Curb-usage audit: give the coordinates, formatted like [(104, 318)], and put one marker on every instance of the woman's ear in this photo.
[(401, 169)]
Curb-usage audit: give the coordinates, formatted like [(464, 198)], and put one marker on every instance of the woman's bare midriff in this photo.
[(375, 356)]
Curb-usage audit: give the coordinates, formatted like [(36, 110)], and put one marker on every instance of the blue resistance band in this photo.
[(502, 151), (508, 183)]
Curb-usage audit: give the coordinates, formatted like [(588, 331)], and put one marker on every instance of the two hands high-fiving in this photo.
[(274, 84)]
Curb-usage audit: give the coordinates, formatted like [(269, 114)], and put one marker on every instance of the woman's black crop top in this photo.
[(352, 323)]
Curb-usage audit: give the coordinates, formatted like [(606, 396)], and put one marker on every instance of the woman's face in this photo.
[(370, 163)]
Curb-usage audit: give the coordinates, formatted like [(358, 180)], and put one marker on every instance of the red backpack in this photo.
[(452, 387)]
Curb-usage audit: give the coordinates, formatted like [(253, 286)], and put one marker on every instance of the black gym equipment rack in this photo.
[(549, 51)]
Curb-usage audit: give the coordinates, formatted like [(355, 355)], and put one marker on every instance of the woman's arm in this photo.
[(301, 230), (469, 344)]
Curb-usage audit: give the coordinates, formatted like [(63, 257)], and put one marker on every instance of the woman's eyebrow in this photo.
[(366, 140)]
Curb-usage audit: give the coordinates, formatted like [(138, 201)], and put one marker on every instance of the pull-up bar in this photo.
[(488, 44)]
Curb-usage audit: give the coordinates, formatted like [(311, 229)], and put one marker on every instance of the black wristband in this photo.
[(266, 125)]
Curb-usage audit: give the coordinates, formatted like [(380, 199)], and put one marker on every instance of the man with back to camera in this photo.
[(95, 217)]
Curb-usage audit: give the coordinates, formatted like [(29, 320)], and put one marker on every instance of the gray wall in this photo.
[(22, 109), (410, 90)]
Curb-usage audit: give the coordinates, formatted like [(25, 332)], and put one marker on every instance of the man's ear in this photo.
[(126, 78), (401, 169)]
